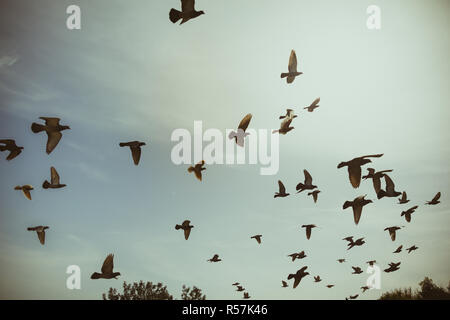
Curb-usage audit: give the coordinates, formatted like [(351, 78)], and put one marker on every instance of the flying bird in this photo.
[(40, 230), (53, 130), (282, 190), (26, 190), (257, 238), (408, 213), (351, 243), (10, 145), (246, 296), (354, 297), (435, 200), (317, 279), (329, 286), (392, 267), (284, 284), (186, 228), (240, 135), (284, 126), (390, 189), (357, 205), (54, 178), (240, 288), (412, 248), (298, 276), (107, 269), (314, 194), (365, 288), (354, 168), (292, 68), (308, 229), (296, 255), (197, 169), (371, 262), (341, 260), (403, 199), (376, 178), (356, 270), (313, 105), (187, 12), (398, 250), (135, 147), (235, 284), (392, 231), (215, 258), (307, 183), (289, 114)]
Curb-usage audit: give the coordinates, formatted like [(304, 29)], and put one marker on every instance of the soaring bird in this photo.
[(317, 279), (284, 126), (53, 130), (197, 169), (365, 288), (376, 178), (292, 68), (412, 248), (135, 147), (392, 231), (356, 270), (187, 12), (371, 262), (354, 297), (308, 229), (10, 145), (284, 284), (351, 243), (392, 267), (26, 190), (107, 269), (398, 250), (289, 114), (215, 258), (341, 260), (240, 288), (403, 199), (281, 190), (357, 205), (314, 194), (329, 286), (257, 238), (235, 284), (354, 168), (240, 135), (40, 230), (298, 276), (408, 213), (297, 255), (307, 183), (390, 189), (313, 105), (435, 199), (246, 296), (186, 227), (54, 178)]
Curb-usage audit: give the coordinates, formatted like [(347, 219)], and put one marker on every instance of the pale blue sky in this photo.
[(130, 74)]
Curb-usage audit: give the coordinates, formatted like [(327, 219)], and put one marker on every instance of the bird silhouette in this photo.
[(215, 258), (313, 105), (292, 68), (54, 178), (299, 255), (435, 200), (390, 189), (257, 238), (284, 126), (392, 267), (356, 270), (240, 135), (26, 190), (392, 231), (298, 276), (341, 260), (40, 230), (10, 145), (307, 183), (408, 213), (281, 190), (308, 229), (412, 248), (376, 178), (53, 130), (235, 284), (398, 250), (289, 114), (317, 279), (197, 169), (371, 262), (351, 243), (357, 205), (246, 296), (365, 288), (240, 288), (284, 284), (135, 147), (354, 168), (186, 228), (329, 286), (107, 269), (314, 194), (354, 297), (187, 12), (403, 199)]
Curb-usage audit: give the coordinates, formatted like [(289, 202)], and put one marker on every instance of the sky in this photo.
[(130, 74)]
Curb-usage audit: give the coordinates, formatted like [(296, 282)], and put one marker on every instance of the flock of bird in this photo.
[(53, 129)]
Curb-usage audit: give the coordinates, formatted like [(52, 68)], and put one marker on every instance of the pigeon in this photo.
[(257, 238), (356, 270), (358, 242), (314, 194), (107, 269), (284, 126), (354, 168), (296, 255), (284, 284), (215, 258), (282, 190), (435, 199), (307, 183), (353, 297), (408, 213), (240, 288), (187, 12), (53, 130), (40, 230), (298, 276), (240, 135), (235, 284), (186, 227), (371, 262), (376, 178), (317, 279), (329, 286), (357, 205), (313, 105), (308, 229), (398, 250), (403, 199), (197, 169), (10, 145), (246, 296), (341, 260), (54, 178), (289, 114), (392, 231), (26, 190), (390, 189), (292, 68), (365, 288), (135, 147), (392, 267), (410, 249)]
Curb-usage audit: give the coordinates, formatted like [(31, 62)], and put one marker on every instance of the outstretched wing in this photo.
[(41, 236), (187, 232), (245, 122), (52, 122), (437, 196), (308, 178), (389, 184), (54, 176), (187, 5), (315, 102), (281, 187), (108, 264), (13, 154), (53, 140), (136, 153), (354, 174), (292, 67)]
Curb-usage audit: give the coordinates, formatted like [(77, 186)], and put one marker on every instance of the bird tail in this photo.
[(275, 131), (381, 194), (123, 144), (284, 75), (191, 169), (232, 135), (46, 184), (95, 275), (300, 187), (36, 127), (290, 276), (177, 227), (174, 15)]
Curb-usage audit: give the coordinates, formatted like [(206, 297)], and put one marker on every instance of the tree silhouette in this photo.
[(427, 291), (149, 291)]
